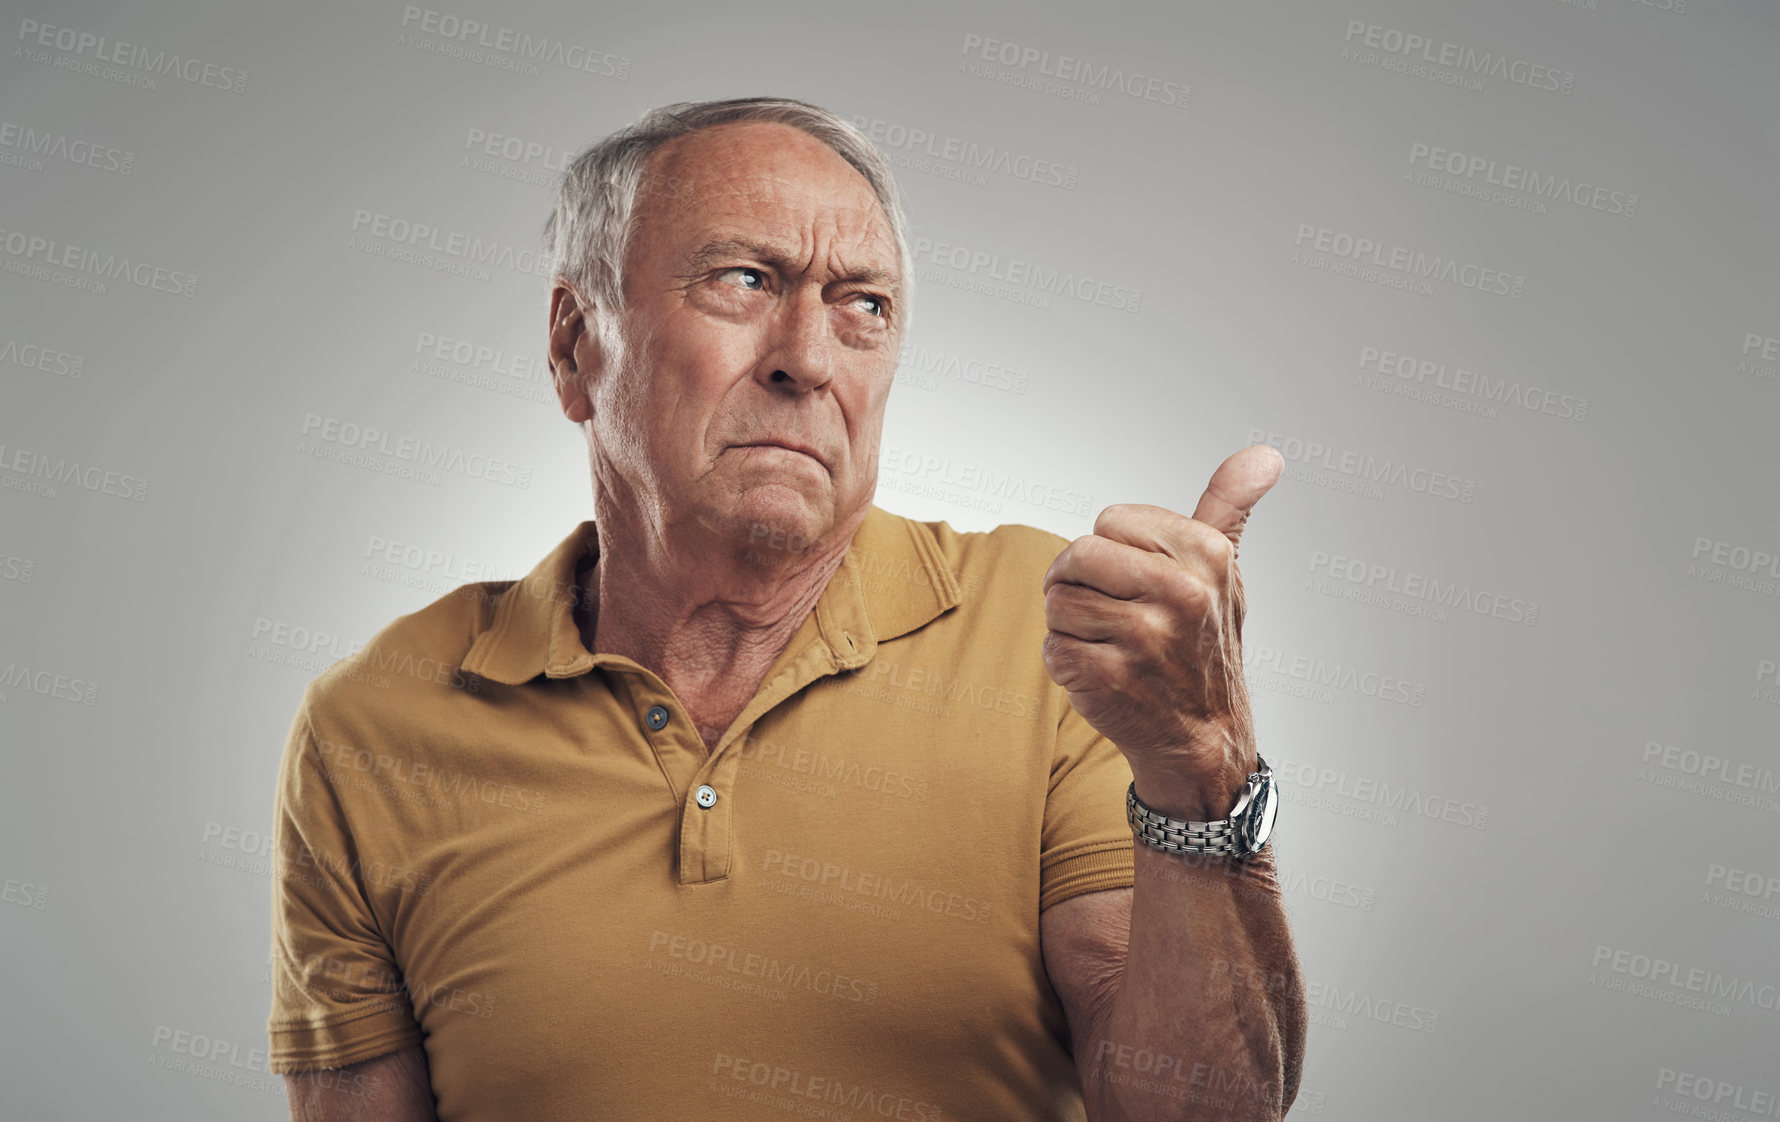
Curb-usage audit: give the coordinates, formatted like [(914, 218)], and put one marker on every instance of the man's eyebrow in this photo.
[(711, 252), (777, 255)]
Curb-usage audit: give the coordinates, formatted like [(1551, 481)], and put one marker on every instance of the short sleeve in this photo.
[(1086, 838), (337, 991)]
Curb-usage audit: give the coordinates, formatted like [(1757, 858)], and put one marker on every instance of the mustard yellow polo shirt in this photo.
[(521, 853)]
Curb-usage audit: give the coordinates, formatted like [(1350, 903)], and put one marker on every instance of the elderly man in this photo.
[(754, 799)]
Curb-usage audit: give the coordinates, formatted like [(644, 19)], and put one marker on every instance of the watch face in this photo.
[(1261, 815)]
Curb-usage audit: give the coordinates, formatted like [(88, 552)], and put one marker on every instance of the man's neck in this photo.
[(707, 615)]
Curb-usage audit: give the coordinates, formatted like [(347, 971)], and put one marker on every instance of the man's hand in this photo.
[(1145, 618)]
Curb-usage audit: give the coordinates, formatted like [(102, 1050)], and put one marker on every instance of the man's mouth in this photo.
[(786, 445)]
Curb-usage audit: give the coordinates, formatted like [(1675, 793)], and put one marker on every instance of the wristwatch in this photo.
[(1243, 834)]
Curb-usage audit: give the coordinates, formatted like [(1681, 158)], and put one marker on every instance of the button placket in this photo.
[(650, 701), (705, 823), (815, 651)]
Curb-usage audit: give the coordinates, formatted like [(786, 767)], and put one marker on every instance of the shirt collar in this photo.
[(893, 579)]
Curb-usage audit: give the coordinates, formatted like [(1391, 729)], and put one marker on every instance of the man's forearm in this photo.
[(396, 1087), (1209, 1017)]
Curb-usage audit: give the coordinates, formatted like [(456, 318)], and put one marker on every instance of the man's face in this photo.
[(762, 309)]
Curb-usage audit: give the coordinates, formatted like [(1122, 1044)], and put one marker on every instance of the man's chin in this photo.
[(776, 522)]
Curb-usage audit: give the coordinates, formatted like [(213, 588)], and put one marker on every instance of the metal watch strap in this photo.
[(1179, 835)]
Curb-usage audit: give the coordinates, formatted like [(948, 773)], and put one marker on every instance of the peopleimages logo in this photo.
[(416, 457), (1407, 46), (25, 467), (432, 562), (1077, 71), (477, 356), (1369, 683), (1302, 455), (1706, 765), (1027, 274), (1718, 1092), (23, 142), (1761, 356), (902, 466), (1522, 180), (90, 266), (1767, 346), (1466, 383), (1377, 794), (1758, 992), (1362, 250), (131, 56), (35, 356), (474, 40), (1459, 596), (952, 365), (963, 156), (517, 150), (451, 243), (773, 1084), (47, 683)]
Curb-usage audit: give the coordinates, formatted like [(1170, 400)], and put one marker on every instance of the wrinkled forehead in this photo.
[(765, 180)]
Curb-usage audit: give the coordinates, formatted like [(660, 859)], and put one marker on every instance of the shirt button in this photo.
[(657, 717), (706, 795)]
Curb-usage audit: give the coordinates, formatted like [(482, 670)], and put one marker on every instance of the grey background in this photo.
[(1460, 972)]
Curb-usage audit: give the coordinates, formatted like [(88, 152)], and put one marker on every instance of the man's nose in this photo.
[(799, 356)]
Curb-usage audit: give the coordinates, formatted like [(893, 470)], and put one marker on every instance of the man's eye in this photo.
[(752, 279), (873, 305)]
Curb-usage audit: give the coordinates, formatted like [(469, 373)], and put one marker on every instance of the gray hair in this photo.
[(588, 231)]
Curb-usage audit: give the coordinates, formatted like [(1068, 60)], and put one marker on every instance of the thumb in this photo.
[(1236, 487)]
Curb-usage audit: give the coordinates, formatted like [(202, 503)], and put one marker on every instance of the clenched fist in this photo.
[(1145, 617)]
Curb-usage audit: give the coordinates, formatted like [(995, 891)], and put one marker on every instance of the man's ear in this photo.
[(574, 348)]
